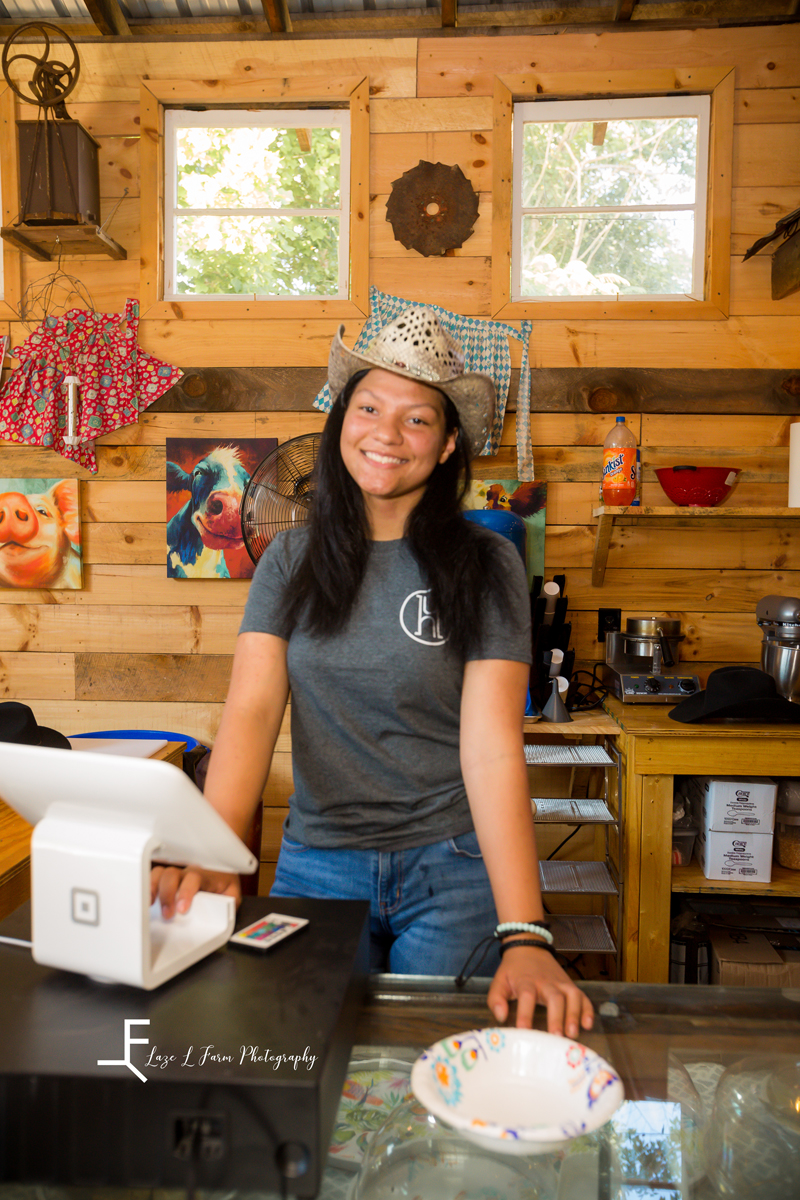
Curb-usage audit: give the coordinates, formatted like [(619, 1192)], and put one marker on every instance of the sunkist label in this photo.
[(619, 473)]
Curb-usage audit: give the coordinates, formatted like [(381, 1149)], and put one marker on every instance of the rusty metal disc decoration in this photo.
[(432, 208)]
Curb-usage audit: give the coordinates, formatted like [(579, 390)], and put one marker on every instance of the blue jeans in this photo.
[(428, 906)]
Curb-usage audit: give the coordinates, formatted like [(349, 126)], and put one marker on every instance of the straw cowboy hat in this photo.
[(417, 346), (18, 724)]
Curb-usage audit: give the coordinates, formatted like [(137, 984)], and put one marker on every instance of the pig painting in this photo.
[(204, 532), (40, 533)]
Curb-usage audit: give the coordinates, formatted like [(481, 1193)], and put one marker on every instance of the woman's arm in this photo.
[(240, 760), (496, 779)]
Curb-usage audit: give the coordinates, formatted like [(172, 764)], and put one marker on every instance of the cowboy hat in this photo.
[(740, 694), (417, 346), (18, 724)]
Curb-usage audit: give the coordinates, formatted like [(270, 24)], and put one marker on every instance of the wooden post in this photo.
[(9, 177), (359, 196), (604, 526)]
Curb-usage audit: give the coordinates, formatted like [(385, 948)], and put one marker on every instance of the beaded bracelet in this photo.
[(528, 942), (524, 927), (483, 947)]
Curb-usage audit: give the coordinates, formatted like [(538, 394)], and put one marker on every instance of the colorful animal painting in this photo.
[(205, 483), (526, 500), (40, 534)]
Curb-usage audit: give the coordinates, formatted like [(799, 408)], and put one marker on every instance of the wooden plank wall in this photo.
[(135, 649)]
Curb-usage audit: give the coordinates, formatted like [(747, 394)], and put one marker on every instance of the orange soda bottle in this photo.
[(619, 465)]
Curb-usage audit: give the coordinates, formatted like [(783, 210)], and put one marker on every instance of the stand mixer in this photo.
[(640, 666)]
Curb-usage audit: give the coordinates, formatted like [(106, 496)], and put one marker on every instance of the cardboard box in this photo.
[(740, 957), (740, 805), (746, 857)]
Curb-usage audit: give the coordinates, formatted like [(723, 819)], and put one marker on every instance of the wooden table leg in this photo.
[(631, 865), (655, 879)]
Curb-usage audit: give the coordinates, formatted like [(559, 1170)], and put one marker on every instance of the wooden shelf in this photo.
[(47, 243), (691, 879), (606, 516), (592, 722)]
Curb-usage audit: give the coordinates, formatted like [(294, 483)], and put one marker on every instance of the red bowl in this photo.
[(700, 487)]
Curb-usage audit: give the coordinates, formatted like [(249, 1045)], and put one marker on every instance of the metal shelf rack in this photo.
[(578, 934)]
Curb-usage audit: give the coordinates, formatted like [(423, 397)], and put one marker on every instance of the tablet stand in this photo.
[(100, 821)]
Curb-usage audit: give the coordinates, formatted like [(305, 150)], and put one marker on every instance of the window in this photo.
[(604, 216), (257, 204), (610, 198), (344, 287)]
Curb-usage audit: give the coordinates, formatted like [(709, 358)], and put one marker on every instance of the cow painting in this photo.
[(40, 533), (207, 480)]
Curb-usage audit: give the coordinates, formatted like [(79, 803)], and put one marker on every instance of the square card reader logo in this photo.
[(85, 907)]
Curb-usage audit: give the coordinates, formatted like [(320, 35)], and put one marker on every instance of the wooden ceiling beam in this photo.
[(277, 14), (657, 16), (109, 18)]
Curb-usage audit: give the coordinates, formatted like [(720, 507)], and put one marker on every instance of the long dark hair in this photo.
[(458, 559)]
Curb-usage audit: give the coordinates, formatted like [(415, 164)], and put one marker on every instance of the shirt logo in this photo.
[(419, 622)]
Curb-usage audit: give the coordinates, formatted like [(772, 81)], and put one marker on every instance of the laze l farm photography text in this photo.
[(197, 1057)]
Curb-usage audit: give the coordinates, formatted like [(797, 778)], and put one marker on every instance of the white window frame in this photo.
[(176, 119), (628, 107)]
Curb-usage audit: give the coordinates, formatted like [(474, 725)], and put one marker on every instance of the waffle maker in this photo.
[(641, 662)]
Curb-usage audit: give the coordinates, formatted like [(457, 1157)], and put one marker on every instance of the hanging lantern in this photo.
[(59, 180)]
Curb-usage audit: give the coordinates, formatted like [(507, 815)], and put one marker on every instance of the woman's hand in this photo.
[(532, 976), (176, 887)]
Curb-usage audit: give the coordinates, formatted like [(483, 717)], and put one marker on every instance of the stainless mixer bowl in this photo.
[(773, 635), (785, 670)]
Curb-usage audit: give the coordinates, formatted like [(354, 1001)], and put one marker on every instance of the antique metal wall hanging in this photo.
[(59, 175), (432, 208)]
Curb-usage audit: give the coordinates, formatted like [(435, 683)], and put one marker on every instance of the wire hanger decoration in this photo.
[(43, 298), (51, 295)]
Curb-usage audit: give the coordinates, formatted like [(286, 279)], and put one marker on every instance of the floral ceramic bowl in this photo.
[(517, 1091)]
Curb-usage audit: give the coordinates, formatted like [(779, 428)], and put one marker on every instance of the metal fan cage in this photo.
[(279, 493)]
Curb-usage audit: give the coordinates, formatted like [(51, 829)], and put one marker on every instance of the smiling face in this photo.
[(393, 436)]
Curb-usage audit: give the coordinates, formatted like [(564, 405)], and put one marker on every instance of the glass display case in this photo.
[(712, 1107)]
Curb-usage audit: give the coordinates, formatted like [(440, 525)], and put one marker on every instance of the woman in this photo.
[(403, 630)]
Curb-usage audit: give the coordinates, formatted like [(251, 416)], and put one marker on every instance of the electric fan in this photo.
[(279, 493)]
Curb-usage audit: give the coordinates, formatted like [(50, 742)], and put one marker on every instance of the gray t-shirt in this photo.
[(376, 708)]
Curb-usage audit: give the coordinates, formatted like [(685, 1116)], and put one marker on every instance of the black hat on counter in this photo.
[(18, 724), (737, 694)]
